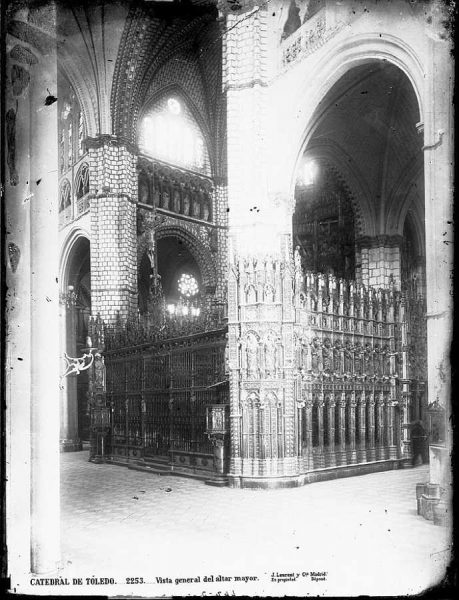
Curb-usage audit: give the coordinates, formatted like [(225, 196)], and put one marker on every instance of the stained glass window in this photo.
[(168, 133), (82, 181), (70, 143), (64, 196), (80, 133), (62, 151), (187, 285)]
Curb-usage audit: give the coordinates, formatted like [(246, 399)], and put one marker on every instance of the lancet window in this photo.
[(71, 127), (64, 195), (82, 181)]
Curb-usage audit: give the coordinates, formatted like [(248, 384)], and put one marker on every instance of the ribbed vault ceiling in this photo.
[(370, 117)]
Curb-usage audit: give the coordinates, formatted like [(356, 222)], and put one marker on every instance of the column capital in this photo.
[(377, 241), (105, 139)]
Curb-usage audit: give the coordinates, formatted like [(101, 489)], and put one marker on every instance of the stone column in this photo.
[(438, 173), (380, 259), (319, 462), (331, 432), (113, 228), (361, 452), (260, 299), (380, 452), (389, 406), (45, 360), (405, 407), (371, 452), (308, 412), (18, 190), (341, 449), (352, 458), (69, 438), (221, 237)]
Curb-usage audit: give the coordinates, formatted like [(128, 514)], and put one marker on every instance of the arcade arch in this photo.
[(76, 311), (364, 130)]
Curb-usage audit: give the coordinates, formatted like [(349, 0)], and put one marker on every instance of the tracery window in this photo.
[(64, 195), (71, 126), (70, 143), (169, 132), (187, 285), (80, 134), (82, 181)]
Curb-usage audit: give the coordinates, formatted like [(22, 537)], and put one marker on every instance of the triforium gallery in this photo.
[(228, 233)]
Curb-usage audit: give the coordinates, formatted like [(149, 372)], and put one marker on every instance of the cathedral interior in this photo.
[(227, 223)]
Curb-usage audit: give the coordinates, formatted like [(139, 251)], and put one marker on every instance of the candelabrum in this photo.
[(184, 309), (70, 297)]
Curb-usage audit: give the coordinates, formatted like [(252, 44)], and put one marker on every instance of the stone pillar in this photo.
[(69, 438), (352, 458), (341, 448), (260, 284), (438, 173), (361, 452), (380, 451), (18, 190), (319, 453), (371, 453), (380, 260), (405, 406), (389, 410), (308, 411), (331, 431), (45, 361), (221, 237), (113, 228)]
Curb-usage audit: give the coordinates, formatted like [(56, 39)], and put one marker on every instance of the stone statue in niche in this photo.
[(337, 357), (348, 358), (217, 420), (156, 196), (250, 294), (165, 198), (186, 204), (99, 371), (144, 196), (196, 207), (315, 355), (377, 361), (252, 358), (386, 361), (176, 204), (297, 259), (270, 356), (10, 119), (368, 360), (269, 293), (327, 356), (358, 360)]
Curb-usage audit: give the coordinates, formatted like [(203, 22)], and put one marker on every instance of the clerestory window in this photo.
[(168, 132)]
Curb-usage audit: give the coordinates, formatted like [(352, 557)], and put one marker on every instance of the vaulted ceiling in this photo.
[(366, 125)]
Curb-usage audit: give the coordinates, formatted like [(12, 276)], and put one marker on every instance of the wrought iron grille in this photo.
[(159, 392)]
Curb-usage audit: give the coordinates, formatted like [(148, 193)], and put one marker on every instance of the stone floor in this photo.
[(362, 532)]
